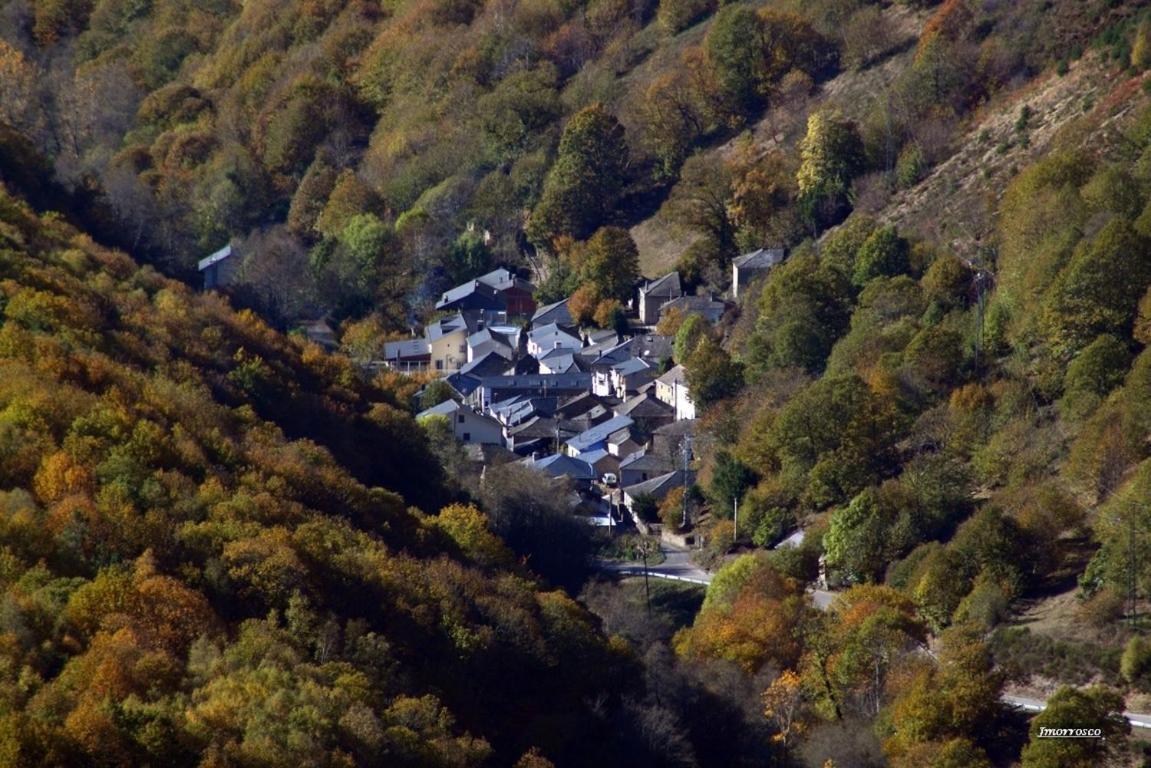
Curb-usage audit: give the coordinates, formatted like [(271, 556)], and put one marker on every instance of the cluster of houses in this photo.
[(609, 413)]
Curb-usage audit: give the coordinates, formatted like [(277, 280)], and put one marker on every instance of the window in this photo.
[(467, 437), (460, 418), (439, 365)]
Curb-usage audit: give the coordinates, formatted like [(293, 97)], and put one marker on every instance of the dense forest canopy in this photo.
[(221, 545), (182, 584), (350, 144)]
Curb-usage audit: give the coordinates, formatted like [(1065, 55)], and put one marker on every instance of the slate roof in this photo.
[(493, 299), (502, 279), (446, 408), (658, 486), (445, 326), (559, 465), (214, 258), (577, 405), (409, 348), (668, 286), (488, 364), (764, 258), (553, 313), (706, 306), (630, 366), (539, 381), (620, 436), (537, 426), (642, 461), (643, 405), (548, 336), (595, 456), (487, 341), (463, 383), (678, 374), (599, 433)]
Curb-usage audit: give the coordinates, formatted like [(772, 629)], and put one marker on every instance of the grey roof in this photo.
[(676, 429), (652, 346), (677, 375), (594, 456), (620, 436), (632, 365), (548, 335), (488, 364), (445, 326), (710, 308), (641, 404), (502, 279), (539, 381), (446, 408), (764, 258), (668, 286), (553, 313), (602, 336), (616, 353), (645, 460), (489, 286), (577, 405), (658, 486), (215, 258), (487, 341), (492, 297), (559, 360), (502, 406), (463, 383), (536, 426), (519, 409), (599, 433), (398, 350), (559, 465)]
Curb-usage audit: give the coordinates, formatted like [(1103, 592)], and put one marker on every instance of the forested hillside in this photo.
[(355, 141), (221, 546), (181, 583)]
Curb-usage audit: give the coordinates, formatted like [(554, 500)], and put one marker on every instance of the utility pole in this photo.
[(1131, 568), (686, 460), (646, 584)]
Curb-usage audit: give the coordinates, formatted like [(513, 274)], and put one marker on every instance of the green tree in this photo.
[(841, 245), (1099, 290), (804, 308), (689, 335), (831, 155), (610, 261), (1135, 664), (711, 373), (735, 52), (584, 183), (1094, 707), (468, 257), (858, 540), (883, 253), (1094, 372), (948, 705), (730, 480)]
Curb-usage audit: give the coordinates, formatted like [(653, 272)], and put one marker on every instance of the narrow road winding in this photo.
[(678, 566)]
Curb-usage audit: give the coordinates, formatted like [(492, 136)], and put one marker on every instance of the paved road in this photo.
[(676, 566), (1027, 704)]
